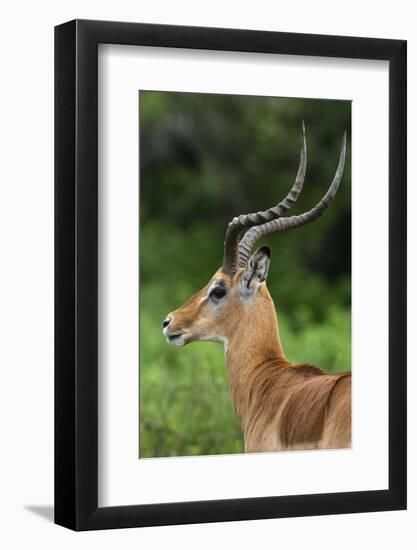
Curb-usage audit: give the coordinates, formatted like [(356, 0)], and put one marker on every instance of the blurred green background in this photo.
[(204, 159)]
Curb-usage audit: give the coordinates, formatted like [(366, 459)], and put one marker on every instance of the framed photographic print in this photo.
[(230, 275)]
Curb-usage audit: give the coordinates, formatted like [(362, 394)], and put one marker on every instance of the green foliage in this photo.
[(204, 159)]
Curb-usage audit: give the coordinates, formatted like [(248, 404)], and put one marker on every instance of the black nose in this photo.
[(166, 322)]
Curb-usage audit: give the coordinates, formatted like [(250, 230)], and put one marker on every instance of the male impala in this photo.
[(280, 406)]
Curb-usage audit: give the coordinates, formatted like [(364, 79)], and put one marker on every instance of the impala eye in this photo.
[(217, 293)]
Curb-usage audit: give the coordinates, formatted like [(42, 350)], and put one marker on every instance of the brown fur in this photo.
[(298, 402), (280, 406)]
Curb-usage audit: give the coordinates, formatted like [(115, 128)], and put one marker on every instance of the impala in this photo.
[(280, 406)]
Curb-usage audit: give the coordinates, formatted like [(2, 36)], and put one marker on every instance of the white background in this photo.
[(26, 300), (123, 479)]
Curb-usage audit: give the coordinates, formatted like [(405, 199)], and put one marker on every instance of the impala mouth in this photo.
[(175, 338)]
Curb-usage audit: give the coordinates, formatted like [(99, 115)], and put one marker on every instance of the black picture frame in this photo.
[(76, 272)]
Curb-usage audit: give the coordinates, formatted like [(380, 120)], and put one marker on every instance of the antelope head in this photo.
[(236, 295)]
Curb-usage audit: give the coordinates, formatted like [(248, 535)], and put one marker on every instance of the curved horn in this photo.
[(235, 227), (282, 224)]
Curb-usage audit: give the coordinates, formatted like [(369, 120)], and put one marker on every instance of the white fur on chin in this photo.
[(176, 340)]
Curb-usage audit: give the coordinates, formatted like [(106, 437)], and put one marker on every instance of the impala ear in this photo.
[(256, 271)]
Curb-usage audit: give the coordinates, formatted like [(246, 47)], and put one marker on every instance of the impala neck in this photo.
[(253, 348)]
